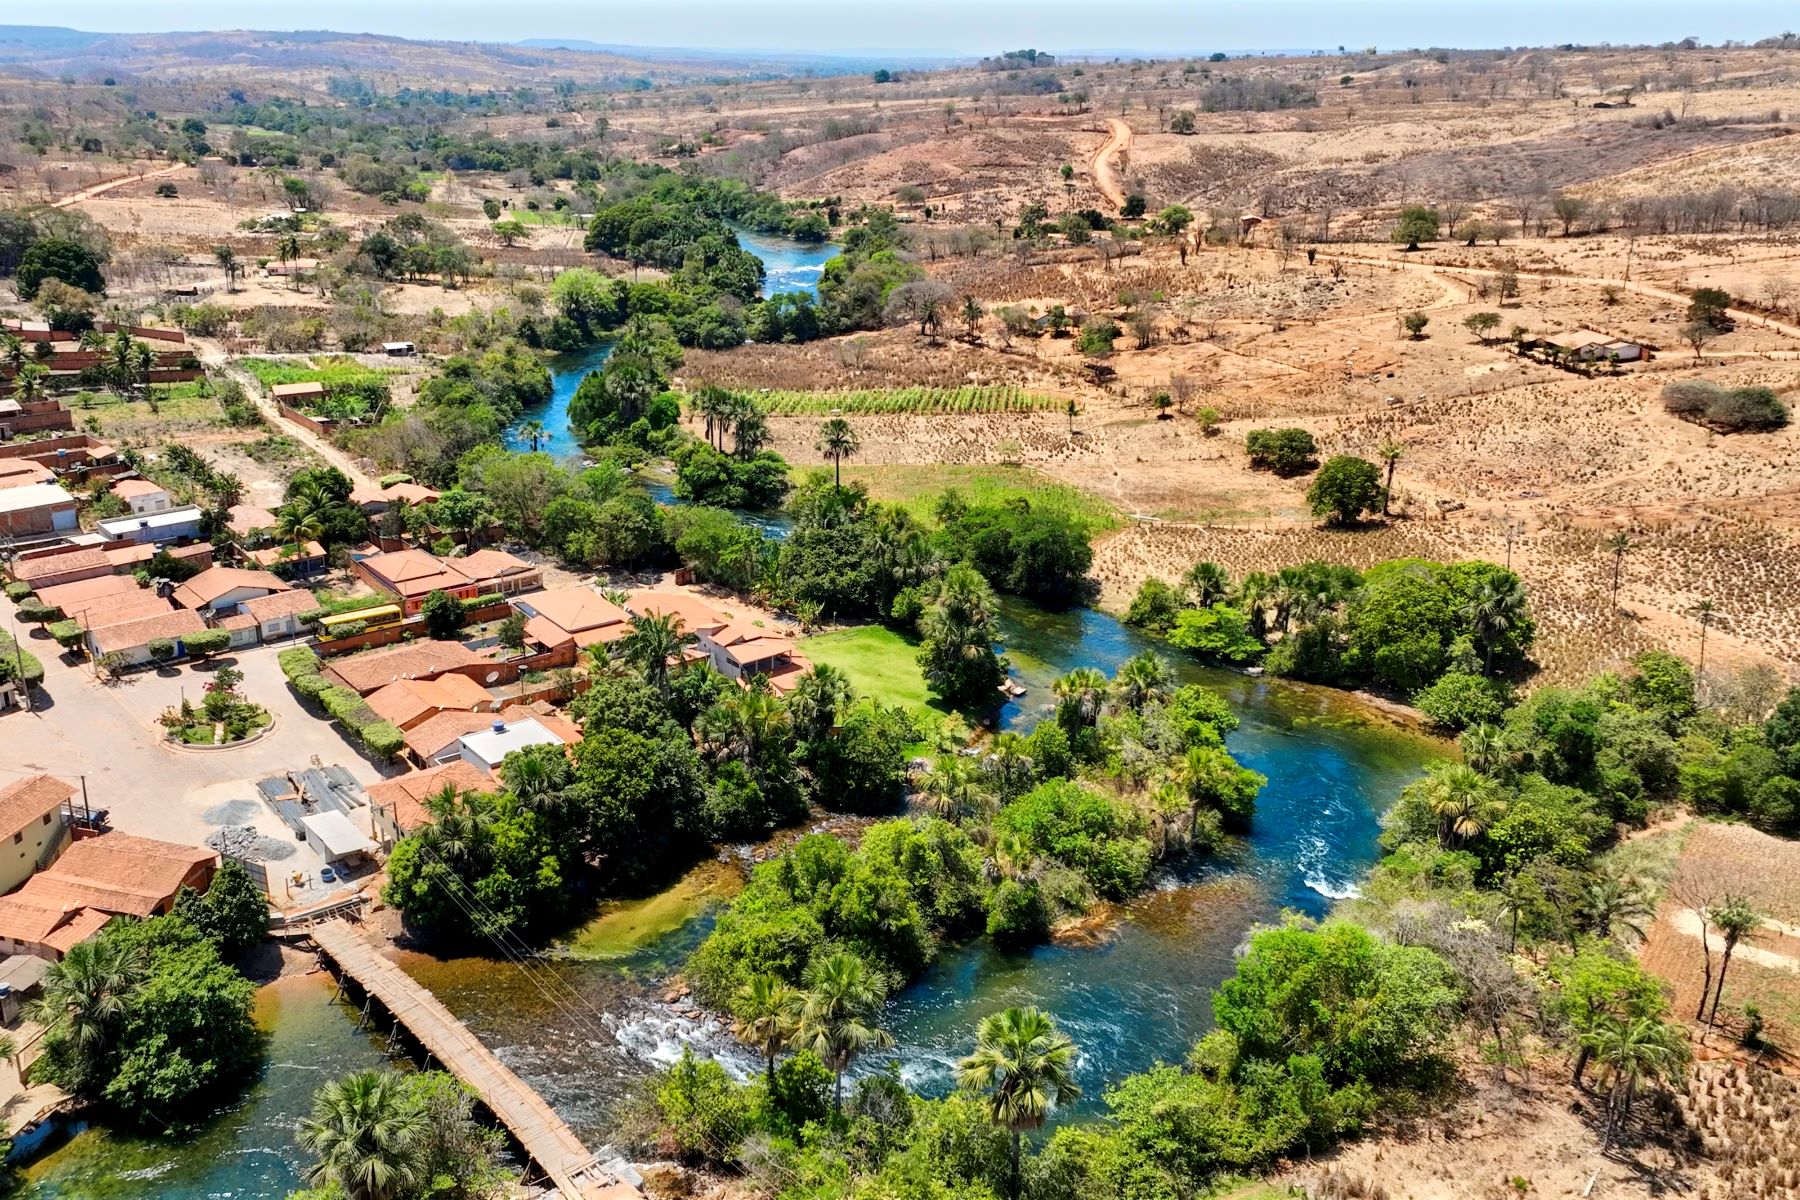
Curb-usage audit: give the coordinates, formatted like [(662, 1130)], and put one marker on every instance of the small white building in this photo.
[(142, 496), (156, 528), (398, 349), (489, 747)]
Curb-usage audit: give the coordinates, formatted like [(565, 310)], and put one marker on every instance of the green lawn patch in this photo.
[(881, 664), (918, 488), (332, 370)]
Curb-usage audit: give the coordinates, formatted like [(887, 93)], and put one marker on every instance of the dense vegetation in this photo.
[(1440, 633), (147, 1019), (1039, 828), (387, 1135)]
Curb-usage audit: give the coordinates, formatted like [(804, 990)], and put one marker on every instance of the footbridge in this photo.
[(575, 1171)]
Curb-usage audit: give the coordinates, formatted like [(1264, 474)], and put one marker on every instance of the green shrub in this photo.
[(1459, 699), (18, 591), (484, 600), (310, 686), (208, 642), (297, 661), (383, 738), (37, 612), (161, 649), (68, 634), (1283, 451), (22, 661)]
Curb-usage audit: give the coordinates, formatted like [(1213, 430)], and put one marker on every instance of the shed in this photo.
[(398, 349), (335, 837)]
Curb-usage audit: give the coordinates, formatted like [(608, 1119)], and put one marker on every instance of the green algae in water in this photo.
[(245, 1150), (629, 931)]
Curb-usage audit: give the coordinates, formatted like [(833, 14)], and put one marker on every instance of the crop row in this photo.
[(967, 399)]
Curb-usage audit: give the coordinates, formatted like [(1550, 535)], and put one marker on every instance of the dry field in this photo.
[(1262, 331)]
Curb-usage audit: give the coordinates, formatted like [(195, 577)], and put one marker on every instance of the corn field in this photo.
[(967, 399)]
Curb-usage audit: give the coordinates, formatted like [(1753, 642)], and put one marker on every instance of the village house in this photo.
[(376, 500), (1588, 345), (131, 640), (96, 879), (397, 806), (578, 617), (364, 673), (488, 747), (411, 575), (438, 740), (142, 496), (34, 509), (737, 649), (49, 570), (154, 528), (222, 591), (412, 701), (31, 826)]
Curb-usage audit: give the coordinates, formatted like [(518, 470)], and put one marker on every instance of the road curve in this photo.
[(1104, 176)]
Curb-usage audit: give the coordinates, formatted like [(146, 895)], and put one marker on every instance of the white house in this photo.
[(487, 748), (221, 591), (156, 528), (142, 496)]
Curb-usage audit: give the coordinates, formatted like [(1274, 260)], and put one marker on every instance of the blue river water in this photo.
[(788, 266)]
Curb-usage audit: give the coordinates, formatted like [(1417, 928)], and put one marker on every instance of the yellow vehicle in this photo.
[(370, 618)]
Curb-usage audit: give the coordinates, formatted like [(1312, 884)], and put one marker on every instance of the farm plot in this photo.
[(954, 400)]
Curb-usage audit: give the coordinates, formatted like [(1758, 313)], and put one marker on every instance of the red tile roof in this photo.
[(414, 660), (405, 795), (411, 700), (214, 582), (24, 802), (144, 630), (92, 561), (117, 873)]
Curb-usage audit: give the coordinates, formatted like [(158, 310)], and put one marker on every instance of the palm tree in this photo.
[(655, 638), (837, 1015), (1009, 766), (1613, 900), (12, 349), (837, 441), (302, 520), (85, 994), (537, 775), (1499, 605), (744, 725), (1465, 802), (953, 789), (1391, 452), (142, 362), (749, 431), (1141, 679), (1704, 610), (365, 1134), (819, 696), (1484, 748), (227, 259), (533, 432), (1618, 545), (1632, 1051), (1208, 583), (31, 382), (1026, 1067), (766, 1014), (288, 249), (1081, 693), (1738, 921)]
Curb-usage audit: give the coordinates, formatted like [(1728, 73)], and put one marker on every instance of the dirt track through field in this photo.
[(88, 193), (1104, 177)]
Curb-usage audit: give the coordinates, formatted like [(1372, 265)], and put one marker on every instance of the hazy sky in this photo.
[(976, 26)]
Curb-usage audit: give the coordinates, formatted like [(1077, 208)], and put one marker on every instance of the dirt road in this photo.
[(1104, 176), (88, 193), (1635, 287), (212, 354)]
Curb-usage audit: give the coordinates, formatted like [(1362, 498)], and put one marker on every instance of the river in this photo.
[(788, 266), (587, 1027)]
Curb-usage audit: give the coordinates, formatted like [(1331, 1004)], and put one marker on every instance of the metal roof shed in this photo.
[(335, 837)]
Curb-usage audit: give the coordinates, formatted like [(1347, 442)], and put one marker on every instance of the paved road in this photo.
[(109, 734)]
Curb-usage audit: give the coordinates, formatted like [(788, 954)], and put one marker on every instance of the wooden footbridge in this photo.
[(552, 1145)]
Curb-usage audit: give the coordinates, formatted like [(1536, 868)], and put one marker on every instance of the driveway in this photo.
[(108, 735)]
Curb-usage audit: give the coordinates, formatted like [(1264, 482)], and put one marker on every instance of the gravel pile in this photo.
[(243, 842)]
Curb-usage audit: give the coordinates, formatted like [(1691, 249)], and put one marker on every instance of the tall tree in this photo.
[(1498, 605), (765, 1017), (654, 640), (1391, 453), (837, 1017), (1465, 802), (1026, 1067), (85, 996), (1737, 921), (1632, 1052), (837, 441), (1618, 545)]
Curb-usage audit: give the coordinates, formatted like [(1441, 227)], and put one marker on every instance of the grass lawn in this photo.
[(332, 370), (178, 402), (882, 664), (918, 488)]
